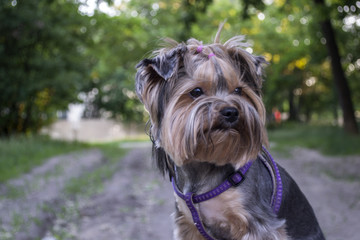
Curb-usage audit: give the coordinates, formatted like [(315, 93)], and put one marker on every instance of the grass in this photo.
[(329, 140), (92, 182), (18, 155)]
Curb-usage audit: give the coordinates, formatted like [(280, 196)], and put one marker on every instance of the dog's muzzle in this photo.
[(230, 114)]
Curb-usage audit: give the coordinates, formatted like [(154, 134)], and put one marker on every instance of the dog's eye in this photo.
[(196, 92), (238, 90)]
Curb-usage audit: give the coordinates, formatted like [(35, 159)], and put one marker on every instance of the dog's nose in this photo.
[(230, 114)]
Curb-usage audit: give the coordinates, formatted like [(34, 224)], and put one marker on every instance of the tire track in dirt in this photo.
[(27, 203), (135, 205), (332, 186)]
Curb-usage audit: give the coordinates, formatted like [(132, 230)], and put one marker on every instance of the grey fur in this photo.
[(158, 84), (299, 219)]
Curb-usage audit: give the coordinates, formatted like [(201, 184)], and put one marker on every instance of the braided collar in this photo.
[(234, 180)]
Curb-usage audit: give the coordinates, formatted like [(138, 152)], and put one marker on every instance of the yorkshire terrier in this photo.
[(207, 125)]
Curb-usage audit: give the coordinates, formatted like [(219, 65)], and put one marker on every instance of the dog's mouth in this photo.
[(223, 129), (228, 119), (221, 145), (225, 124), (217, 134)]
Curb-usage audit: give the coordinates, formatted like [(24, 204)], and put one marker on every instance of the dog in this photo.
[(207, 125)]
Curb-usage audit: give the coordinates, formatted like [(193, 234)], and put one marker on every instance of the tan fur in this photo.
[(181, 105), (203, 74), (191, 129), (184, 225), (229, 216), (185, 229)]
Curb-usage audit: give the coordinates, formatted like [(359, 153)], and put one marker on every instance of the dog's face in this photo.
[(204, 102)]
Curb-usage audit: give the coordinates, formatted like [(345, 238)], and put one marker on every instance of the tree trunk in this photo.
[(293, 112), (340, 80)]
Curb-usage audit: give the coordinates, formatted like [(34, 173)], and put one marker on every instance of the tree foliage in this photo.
[(42, 61), (52, 52)]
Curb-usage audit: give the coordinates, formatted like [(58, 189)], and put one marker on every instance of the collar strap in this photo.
[(195, 216), (233, 180), (277, 182)]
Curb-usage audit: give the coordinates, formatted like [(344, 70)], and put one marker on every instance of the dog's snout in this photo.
[(230, 114)]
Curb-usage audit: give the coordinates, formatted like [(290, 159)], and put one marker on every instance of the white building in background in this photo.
[(76, 128), (74, 115)]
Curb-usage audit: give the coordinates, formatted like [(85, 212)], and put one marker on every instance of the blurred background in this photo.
[(67, 72)]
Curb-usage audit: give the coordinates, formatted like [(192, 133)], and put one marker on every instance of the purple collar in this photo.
[(190, 199), (233, 180), (277, 183)]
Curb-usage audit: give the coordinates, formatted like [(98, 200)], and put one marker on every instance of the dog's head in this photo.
[(204, 102)]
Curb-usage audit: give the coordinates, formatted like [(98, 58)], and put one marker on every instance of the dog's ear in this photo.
[(163, 65), (259, 62), (250, 67), (152, 88), (152, 84), (159, 68)]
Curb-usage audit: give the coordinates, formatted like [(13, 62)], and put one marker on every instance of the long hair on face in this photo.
[(180, 125)]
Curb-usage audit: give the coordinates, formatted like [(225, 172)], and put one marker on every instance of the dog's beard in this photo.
[(196, 131)]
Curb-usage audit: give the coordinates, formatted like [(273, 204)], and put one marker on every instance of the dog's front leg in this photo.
[(184, 228)]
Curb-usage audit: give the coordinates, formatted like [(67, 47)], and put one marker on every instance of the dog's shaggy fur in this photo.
[(207, 119)]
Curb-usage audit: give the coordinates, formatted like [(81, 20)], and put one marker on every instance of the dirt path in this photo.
[(29, 204), (136, 203), (332, 185)]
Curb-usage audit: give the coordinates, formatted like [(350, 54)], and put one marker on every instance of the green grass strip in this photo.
[(91, 183), (329, 140), (18, 155)]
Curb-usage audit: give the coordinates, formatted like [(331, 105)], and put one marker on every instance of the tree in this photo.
[(189, 16), (42, 61), (120, 43), (286, 33), (54, 53), (340, 80), (316, 68)]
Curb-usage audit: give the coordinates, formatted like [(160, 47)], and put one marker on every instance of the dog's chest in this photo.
[(223, 214), (213, 210), (226, 217)]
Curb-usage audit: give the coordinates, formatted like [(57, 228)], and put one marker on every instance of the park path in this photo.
[(332, 185), (136, 202), (30, 203)]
